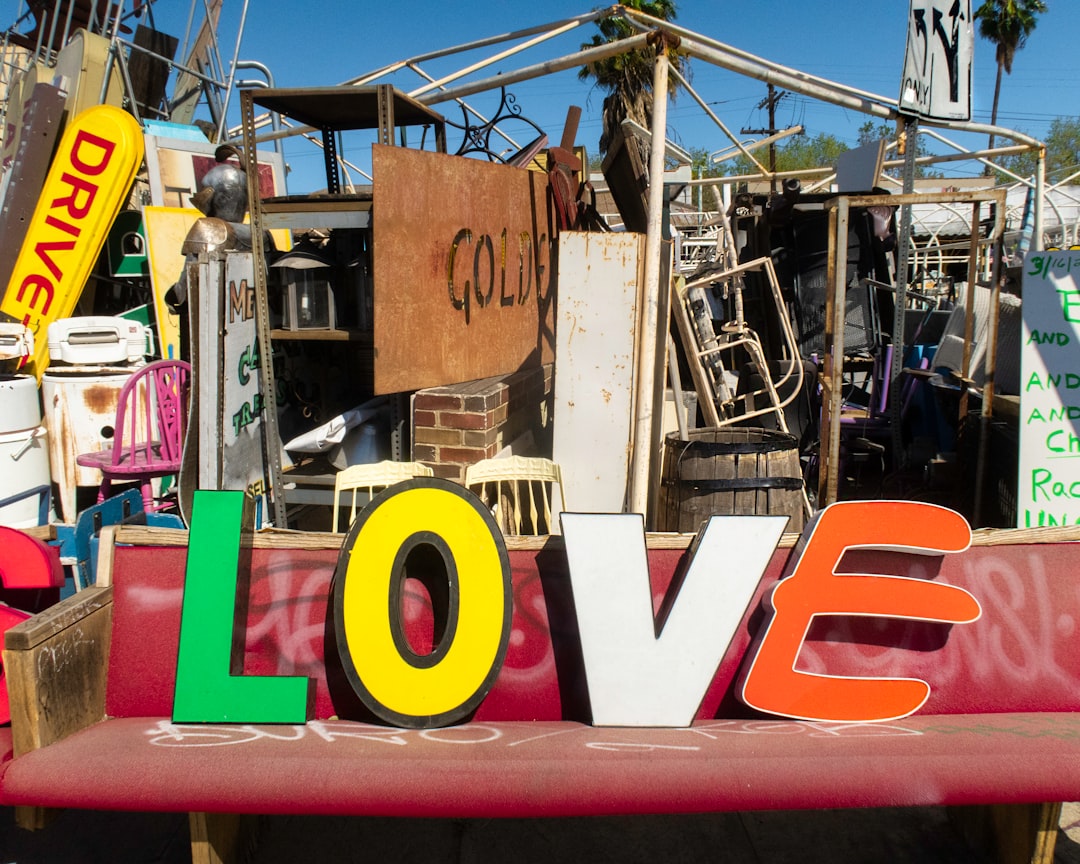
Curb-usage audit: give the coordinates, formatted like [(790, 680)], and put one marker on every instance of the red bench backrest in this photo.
[(1022, 655)]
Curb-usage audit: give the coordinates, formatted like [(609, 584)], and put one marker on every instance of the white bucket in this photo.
[(20, 407), (24, 465)]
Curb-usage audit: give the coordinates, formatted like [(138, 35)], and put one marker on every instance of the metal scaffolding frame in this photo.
[(203, 73)]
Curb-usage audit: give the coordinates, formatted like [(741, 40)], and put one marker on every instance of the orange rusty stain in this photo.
[(100, 399), (606, 394)]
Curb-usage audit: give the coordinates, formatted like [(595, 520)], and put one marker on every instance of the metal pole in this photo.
[(495, 58), (969, 310), (641, 455), (368, 77), (1038, 241), (231, 77), (742, 148), (571, 61), (911, 131), (271, 436), (989, 371)]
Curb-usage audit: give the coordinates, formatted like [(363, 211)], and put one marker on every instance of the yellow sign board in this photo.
[(87, 184)]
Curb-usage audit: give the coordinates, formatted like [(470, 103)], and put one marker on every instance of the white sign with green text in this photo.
[(1048, 492)]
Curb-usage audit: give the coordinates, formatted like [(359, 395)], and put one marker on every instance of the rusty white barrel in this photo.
[(80, 410)]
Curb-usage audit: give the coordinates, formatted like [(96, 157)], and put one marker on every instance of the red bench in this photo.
[(92, 682)]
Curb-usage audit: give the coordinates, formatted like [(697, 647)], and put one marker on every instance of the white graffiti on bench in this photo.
[(165, 733)]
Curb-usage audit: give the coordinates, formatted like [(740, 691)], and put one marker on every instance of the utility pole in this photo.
[(770, 102)]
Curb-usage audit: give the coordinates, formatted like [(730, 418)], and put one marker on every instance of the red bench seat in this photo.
[(522, 769)]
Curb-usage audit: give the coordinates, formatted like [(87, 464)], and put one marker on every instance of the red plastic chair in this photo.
[(148, 438)]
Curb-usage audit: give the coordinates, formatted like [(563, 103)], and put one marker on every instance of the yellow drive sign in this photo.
[(87, 184)]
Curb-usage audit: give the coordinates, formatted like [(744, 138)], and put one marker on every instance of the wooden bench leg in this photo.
[(34, 818), (220, 838), (1013, 833)]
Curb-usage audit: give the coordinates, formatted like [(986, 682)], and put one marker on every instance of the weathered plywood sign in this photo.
[(1048, 490), (462, 269), (229, 387)]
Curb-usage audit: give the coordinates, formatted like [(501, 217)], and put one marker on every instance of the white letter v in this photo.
[(636, 676)]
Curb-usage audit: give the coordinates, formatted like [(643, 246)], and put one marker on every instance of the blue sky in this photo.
[(855, 43)]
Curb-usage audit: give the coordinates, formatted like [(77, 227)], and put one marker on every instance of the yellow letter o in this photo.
[(396, 684)]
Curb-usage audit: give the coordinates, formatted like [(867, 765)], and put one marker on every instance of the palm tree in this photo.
[(627, 77), (1006, 23)]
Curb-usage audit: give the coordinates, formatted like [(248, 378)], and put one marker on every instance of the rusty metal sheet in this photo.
[(463, 269)]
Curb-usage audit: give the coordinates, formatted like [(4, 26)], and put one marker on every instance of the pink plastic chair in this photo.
[(148, 438)]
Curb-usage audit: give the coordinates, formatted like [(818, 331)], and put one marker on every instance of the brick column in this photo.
[(460, 424)]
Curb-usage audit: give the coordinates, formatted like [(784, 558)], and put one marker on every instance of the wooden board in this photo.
[(166, 229), (57, 660), (441, 225)]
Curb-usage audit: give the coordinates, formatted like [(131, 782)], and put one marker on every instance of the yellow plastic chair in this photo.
[(370, 478), (513, 487)]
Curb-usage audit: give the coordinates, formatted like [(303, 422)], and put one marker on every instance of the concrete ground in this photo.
[(915, 835)]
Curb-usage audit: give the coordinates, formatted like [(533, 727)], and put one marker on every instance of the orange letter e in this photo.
[(772, 684)]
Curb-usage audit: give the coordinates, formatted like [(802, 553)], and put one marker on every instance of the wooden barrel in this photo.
[(730, 471)]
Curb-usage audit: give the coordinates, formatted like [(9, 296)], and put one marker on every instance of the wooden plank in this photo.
[(338, 334), (1010, 833), (1049, 819), (106, 549), (221, 838), (44, 533), (188, 88), (34, 818), (58, 686), (36, 123), (48, 623), (148, 73), (750, 502), (137, 535)]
